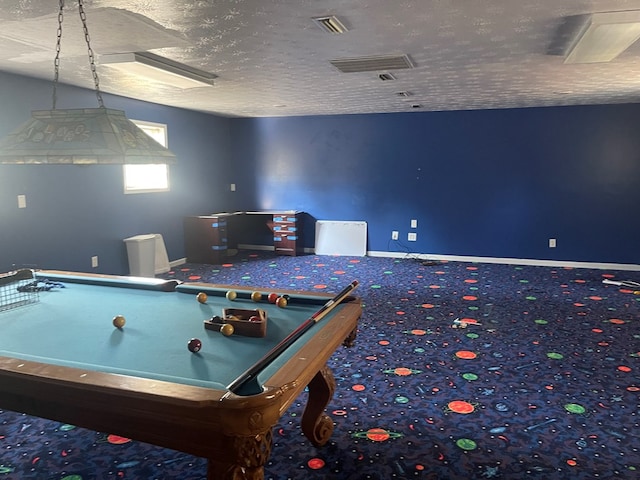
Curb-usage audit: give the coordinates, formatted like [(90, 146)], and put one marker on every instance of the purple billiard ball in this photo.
[(194, 345)]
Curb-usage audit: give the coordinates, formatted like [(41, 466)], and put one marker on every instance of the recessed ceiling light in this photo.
[(159, 69), (605, 36)]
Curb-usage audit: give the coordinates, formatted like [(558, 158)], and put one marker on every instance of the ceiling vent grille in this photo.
[(372, 64), (330, 24)]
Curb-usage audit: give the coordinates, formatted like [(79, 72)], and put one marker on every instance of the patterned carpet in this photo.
[(460, 371)]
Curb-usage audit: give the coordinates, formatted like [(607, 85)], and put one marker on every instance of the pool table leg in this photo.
[(316, 425), (351, 338), (251, 454)]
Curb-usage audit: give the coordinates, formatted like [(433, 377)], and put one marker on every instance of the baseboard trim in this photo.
[(178, 262), (508, 261), (463, 258), (268, 248), (248, 246)]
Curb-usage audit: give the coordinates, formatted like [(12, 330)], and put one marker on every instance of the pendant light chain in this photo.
[(56, 62), (92, 61)]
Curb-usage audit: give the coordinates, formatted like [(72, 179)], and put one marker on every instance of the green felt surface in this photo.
[(72, 326)]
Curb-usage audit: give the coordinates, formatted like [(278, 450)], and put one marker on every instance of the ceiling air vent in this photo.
[(386, 76), (330, 24), (372, 64)]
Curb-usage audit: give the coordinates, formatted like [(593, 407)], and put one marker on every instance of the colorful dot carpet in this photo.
[(460, 371)]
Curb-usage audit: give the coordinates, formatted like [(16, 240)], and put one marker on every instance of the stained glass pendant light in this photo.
[(80, 136)]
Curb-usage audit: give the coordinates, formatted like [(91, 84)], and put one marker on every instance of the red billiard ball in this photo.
[(194, 345), (255, 318), (272, 297)]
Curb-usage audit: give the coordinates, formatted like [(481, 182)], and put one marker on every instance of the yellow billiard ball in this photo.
[(227, 329), (281, 302), (202, 297), (231, 295), (256, 296), (119, 321)]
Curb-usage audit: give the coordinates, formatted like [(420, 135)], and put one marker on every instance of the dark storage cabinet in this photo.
[(205, 239)]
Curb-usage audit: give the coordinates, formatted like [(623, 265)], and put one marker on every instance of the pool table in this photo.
[(62, 358)]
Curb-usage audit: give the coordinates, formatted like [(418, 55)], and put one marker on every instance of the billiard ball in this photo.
[(227, 329), (119, 321), (281, 302), (256, 296), (194, 345), (254, 318), (231, 295), (272, 297), (217, 319), (202, 297)]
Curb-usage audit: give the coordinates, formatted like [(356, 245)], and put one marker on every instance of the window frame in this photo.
[(145, 126)]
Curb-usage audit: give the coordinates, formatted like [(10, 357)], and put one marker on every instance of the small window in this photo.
[(148, 177)]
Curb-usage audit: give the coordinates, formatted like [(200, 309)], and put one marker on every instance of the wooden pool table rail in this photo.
[(233, 432)]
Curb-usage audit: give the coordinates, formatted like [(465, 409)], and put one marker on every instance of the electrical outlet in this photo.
[(94, 261), (233, 187), (394, 235), (22, 201), (414, 223), (412, 237), (552, 243)]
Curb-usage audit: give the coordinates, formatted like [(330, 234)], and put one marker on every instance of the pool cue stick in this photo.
[(625, 284), (255, 369)]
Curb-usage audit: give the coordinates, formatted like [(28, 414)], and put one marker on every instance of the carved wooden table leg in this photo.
[(351, 338), (316, 425), (247, 460)]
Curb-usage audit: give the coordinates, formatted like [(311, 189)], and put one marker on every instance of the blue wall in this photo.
[(495, 183), (75, 212)]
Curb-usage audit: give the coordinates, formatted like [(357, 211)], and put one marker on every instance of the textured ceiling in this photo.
[(271, 59)]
